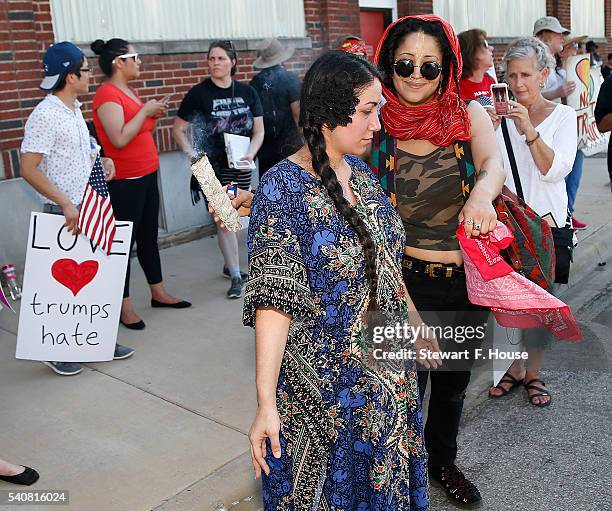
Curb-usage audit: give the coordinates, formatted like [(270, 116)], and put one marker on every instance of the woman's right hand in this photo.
[(154, 108), (427, 352), (265, 425), (241, 203)]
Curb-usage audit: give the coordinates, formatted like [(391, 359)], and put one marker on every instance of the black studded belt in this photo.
[(433, 270)]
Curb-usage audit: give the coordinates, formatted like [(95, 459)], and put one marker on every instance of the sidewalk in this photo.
[(166, 429)]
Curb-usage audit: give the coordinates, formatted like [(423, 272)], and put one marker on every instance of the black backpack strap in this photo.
[(510, 151)]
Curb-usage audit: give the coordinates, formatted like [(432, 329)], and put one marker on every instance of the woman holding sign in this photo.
[(125, 126), (216, 106), (541, 136)]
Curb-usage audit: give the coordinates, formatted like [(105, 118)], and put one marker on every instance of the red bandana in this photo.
[(443, 120)]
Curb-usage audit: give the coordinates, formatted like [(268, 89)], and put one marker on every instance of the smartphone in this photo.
[(499, 94), (166, 99)]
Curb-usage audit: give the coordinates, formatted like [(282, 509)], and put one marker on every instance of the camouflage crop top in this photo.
[(429, 198)]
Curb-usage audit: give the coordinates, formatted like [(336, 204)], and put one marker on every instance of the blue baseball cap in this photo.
[(58, 59)]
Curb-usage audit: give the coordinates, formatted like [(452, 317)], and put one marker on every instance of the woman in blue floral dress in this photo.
[(325, 246)]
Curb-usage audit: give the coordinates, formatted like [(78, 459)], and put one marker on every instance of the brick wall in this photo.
[(408, 7), (26, 31)]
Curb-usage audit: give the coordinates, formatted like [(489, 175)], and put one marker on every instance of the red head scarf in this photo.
[(442, 120)]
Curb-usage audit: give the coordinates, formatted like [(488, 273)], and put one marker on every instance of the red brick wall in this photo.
[(408, 7), (26, 31)]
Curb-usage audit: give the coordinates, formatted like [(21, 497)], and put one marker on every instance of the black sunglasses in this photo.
[(429, 70)]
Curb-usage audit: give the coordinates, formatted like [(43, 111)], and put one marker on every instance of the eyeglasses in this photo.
[(85, 70), (429, 70), (484, 44), (127, 56)]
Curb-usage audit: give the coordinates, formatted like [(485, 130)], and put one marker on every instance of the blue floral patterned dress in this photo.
[(351, 437)]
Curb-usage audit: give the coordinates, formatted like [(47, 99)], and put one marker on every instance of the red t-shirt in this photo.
[(139, 157), (474, 90)]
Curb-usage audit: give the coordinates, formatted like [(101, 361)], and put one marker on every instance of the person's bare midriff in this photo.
[(435, 256)]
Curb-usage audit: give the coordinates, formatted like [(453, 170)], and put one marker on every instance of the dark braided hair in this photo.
[(396, 36), (329, 98)]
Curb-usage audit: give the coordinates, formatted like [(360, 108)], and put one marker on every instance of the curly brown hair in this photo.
[(470, 41)]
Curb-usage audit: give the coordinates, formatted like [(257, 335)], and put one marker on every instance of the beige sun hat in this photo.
[(549, 23), (578, 39), (271, 52)]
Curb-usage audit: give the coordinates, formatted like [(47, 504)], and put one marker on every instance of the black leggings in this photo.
[(137, 200)]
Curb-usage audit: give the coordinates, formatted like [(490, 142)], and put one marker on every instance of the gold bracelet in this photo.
[(529, 142)]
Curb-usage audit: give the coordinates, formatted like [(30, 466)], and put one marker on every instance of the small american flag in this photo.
[(96, 218), (485, 101)]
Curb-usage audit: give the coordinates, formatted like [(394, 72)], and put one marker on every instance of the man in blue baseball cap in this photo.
[(57, 152), (60, 60)]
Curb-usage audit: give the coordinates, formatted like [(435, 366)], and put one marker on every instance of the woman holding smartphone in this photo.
[(542, 136), (124, 125)]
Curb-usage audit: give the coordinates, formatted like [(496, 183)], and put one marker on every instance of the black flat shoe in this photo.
[(139, 325), (27, 477), (178, 305)]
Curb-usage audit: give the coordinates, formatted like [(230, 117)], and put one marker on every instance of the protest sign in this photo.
[(72, 293), (588, 82)]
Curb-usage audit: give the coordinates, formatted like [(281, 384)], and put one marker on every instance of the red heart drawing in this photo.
[(73, 275)]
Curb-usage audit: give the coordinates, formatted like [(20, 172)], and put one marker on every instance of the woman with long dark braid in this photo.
[(332, 430)]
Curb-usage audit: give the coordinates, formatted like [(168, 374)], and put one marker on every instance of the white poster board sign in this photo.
[(588, 82), (72, 293)]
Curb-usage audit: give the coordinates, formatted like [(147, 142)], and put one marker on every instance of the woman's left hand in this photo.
[(109, 168), (479, 216), (519, 114)]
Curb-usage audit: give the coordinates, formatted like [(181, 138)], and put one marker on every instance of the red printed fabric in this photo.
[(515, 301)]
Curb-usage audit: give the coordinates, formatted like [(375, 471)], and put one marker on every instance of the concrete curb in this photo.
[(231, 486)]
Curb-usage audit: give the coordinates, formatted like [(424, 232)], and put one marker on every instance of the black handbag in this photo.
[(564, 247)]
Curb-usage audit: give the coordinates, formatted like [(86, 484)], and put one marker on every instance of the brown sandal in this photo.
[(542, 392)]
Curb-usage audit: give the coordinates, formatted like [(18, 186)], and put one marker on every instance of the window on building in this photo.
[(83, 21), (588, 18), (501, 18)]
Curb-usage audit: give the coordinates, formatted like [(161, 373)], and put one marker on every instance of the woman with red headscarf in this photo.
[(438, 161)]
